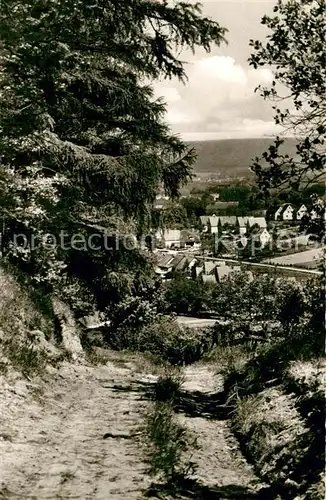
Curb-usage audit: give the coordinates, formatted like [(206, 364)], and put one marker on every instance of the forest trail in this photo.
[(72, 436)]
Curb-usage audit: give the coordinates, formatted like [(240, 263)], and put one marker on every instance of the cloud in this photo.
[(218, 99)]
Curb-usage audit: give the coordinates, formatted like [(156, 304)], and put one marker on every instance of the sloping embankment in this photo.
[(279, 421)]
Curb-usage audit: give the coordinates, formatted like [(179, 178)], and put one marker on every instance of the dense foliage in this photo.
[(83, 143), (296, 50), (267, 303)]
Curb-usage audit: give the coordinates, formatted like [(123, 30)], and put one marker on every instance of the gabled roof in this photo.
[(261, 231), (204, 219), (260, 221), (177, 259), (198, 270), (242, 221), (231, 220), (165, 261), (283, 207), (169, 234), (209, 266), (223, 272), (187, 236)]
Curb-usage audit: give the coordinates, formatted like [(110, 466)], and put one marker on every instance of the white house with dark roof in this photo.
[(301, 212), (262, 236), (284, 212)]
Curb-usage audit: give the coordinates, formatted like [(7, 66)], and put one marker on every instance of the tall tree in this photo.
[(295, 49), (83, 141)]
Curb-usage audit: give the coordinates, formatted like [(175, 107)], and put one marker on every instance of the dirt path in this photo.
[(54, 448), (68, 437), (220, 464)]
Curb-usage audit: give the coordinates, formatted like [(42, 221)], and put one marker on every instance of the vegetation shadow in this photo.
[(186, 488), (196, 404), (192, 404)]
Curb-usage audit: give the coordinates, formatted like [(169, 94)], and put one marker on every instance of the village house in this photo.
[(189, 239), (163, 266), (261, 236), (197, 271), (316, 214), (168, 264), (241, 225), (169, 238), (303, 210), (256, 221), (216, 223), (284, 212), (213, 223), (209, 267), (225, 272), (215, 273), (244, 224), (204, 222), (227, 220)]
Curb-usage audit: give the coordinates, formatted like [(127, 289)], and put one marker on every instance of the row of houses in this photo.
[(242, 225), (288, 212), (209, 271)]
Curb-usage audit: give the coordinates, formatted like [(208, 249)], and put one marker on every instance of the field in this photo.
[(310, 259)]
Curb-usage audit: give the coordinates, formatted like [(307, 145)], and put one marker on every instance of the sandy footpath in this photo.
[(52, 445), (71, 436)]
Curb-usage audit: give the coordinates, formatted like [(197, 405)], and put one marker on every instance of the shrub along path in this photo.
[(71, 436)]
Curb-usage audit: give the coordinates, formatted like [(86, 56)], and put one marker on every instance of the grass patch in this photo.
[(168, 385), (26, 359), (33, 305), (278, 415), (168, 447), (231, 359)]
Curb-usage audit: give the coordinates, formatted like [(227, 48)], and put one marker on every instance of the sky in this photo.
[(218, 101)]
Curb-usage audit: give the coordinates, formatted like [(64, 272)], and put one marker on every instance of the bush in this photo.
[(26, 359), (165, 339), (176, 344), (168, 385), (19, 310), (165, 444)]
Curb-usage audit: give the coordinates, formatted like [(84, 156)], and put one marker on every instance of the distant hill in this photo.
[(233, 157)]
